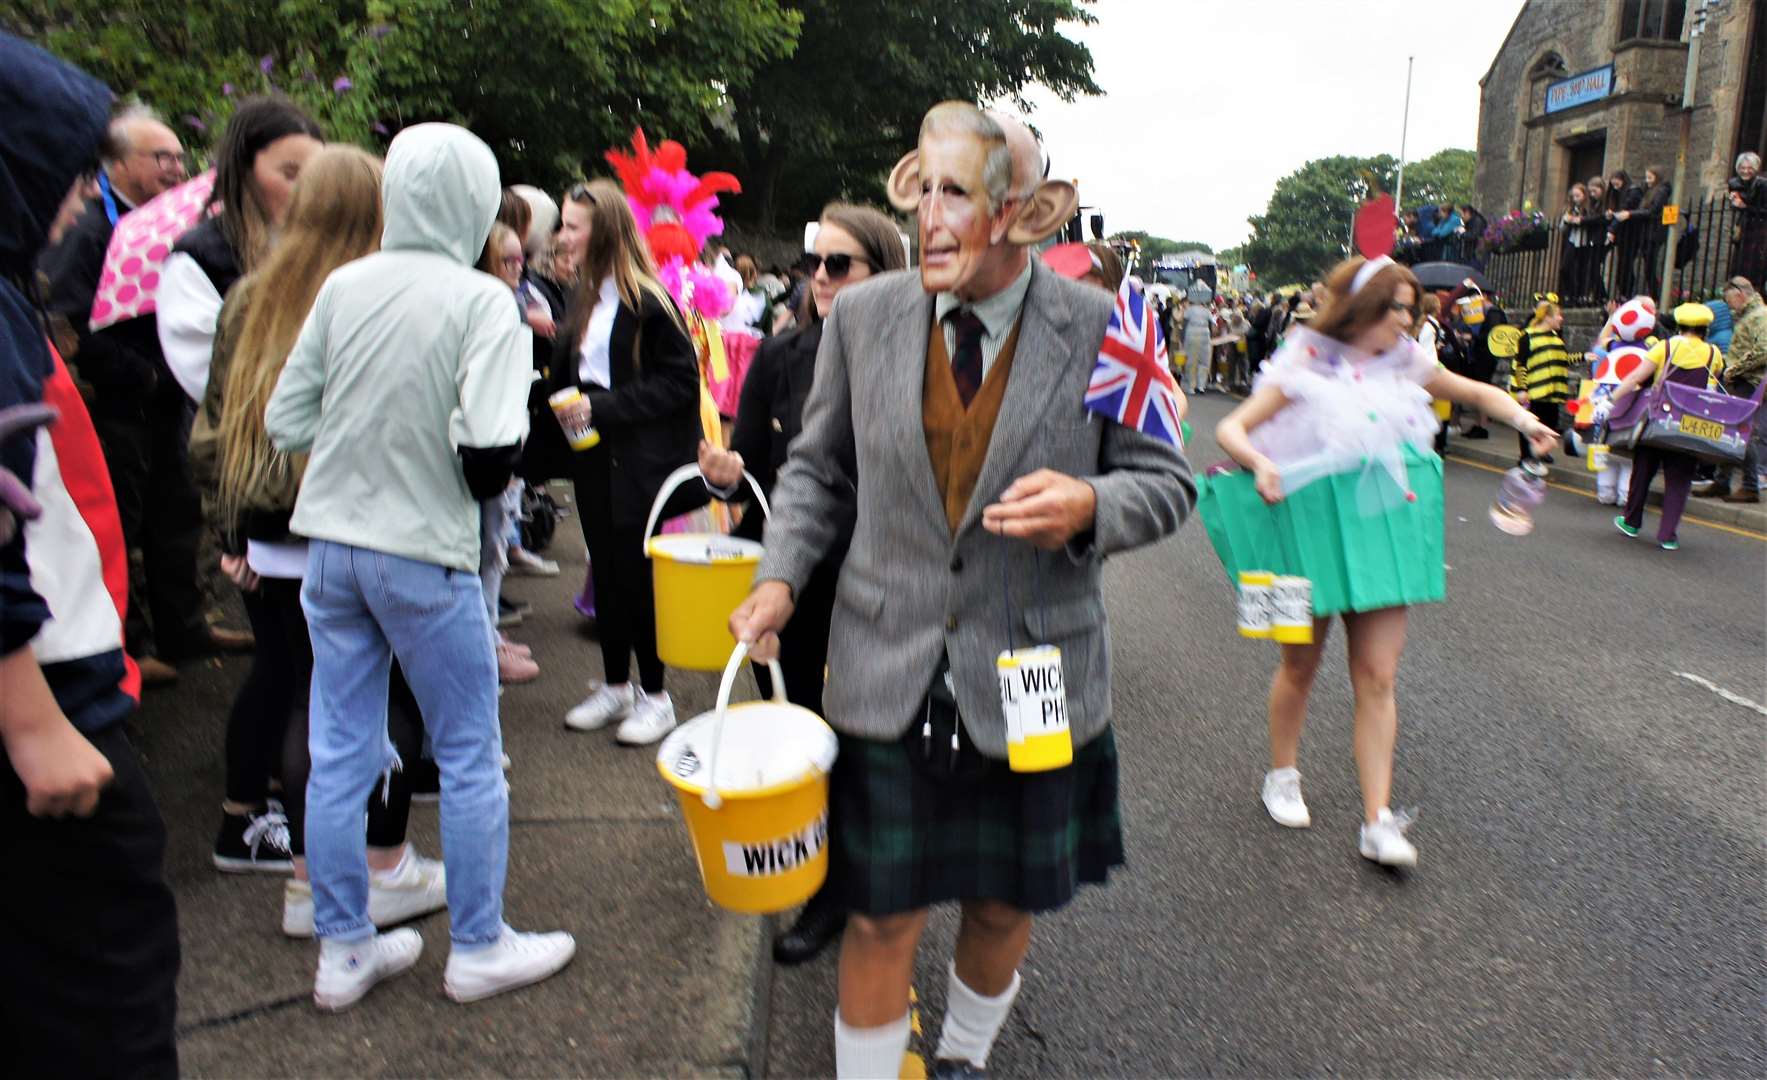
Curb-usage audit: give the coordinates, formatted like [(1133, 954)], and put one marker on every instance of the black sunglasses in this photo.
[(838, 265), (580, 193)]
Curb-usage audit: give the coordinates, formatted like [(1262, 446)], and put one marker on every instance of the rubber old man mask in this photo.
[(959, 183)]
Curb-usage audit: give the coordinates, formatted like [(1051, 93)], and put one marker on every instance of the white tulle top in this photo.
[(1347, 409)]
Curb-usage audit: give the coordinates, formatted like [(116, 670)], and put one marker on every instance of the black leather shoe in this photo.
[(818, 924), (947, 1069)]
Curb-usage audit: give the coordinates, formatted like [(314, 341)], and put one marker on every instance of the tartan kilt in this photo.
[(913, 825)]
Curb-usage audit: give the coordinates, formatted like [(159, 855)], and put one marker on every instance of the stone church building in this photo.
[(1581, 87)]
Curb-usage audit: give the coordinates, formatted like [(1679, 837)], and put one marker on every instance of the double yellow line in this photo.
[(1734, 530)]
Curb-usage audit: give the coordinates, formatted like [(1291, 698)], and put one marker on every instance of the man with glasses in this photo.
[(119, 365)]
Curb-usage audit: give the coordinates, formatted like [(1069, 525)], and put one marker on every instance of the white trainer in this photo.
[(349, 969), (1384, 841), (1282, 797), (523, 561), (416, 887), (515, 960), (651, 719), (604, 705)]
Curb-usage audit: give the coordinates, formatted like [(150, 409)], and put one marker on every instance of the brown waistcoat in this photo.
[(957, 438)]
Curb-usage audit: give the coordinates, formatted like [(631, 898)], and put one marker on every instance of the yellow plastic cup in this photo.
[(1037, 735), (1291, 610), (1254, 603), (580, 436)]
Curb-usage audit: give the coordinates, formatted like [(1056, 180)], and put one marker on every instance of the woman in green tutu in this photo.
[(1346, 492)]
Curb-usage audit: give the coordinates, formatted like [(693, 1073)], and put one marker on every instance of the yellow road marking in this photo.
[(1749, 533)]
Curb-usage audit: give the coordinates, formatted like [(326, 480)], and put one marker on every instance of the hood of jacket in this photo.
[(55, 117), (441, 191)]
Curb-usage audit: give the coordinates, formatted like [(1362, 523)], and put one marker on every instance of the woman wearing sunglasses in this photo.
[(852, 244)]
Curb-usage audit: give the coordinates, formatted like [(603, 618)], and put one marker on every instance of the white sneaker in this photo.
[(604, 705), (523, 561), (651, 719), (1384, 841), (349, 969), (416, 887), (514, 961), (1282, 797)]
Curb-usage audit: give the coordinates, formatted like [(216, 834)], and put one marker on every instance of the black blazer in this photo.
[(770, 415), (649, 417)]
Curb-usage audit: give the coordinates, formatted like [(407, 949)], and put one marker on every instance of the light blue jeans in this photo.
[(363, 608)]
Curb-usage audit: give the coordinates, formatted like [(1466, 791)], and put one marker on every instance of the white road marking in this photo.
[(1734, 699)]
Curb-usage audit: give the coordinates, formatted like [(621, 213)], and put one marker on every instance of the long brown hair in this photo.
[(334, 217), (1348, 313), (255, 124), (614, 248)]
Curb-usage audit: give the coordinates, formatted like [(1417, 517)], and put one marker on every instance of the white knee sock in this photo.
[(972, 1021), (869, 1053)]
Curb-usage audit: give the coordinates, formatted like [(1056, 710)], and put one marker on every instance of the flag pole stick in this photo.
[(1404, 130)]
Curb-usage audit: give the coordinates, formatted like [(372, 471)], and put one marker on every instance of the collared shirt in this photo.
[(594, 364), (998, 313)]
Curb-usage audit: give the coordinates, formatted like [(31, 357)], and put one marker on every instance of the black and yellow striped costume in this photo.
[(1542, 370)]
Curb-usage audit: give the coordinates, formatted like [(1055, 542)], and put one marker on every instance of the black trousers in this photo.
[(803, 645), (267, 730), (1547, 412), (147, 453), (88, 932), (625, 597)]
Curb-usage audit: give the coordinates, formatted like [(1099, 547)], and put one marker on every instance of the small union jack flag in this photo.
[(1132, 383)]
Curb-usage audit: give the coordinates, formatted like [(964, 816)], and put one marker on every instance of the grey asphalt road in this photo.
[(1589, 899)]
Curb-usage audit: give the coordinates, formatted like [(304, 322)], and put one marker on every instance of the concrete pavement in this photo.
[(663, 984)]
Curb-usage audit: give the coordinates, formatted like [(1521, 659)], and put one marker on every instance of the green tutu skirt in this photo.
[(1358, 558)]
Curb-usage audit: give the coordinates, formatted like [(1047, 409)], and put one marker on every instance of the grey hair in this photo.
[(1743, 285), (124, 117), (962, 118), (544, 221), (1751, 157)]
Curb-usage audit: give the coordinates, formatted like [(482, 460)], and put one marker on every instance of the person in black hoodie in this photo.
[(1651, 232), (852, 244), (88, 927), (1623, 202), (626, 348)]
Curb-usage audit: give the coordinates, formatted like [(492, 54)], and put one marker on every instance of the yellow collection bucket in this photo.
[(700, 578), (752, 781)]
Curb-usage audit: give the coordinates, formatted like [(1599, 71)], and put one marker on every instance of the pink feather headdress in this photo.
[(677, 212)]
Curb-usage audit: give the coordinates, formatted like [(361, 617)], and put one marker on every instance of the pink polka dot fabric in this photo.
[(139, 247)]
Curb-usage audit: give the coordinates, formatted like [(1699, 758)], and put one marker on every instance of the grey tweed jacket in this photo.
[(910, 590)]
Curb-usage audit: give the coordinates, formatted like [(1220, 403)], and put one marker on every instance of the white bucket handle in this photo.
[(711, 798), (681, 476)]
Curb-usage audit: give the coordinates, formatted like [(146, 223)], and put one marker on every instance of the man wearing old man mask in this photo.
[(969, 666)]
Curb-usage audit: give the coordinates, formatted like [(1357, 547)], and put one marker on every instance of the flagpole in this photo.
[(1404, 130)]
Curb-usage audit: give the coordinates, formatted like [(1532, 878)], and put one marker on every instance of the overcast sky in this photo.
[(1209, 102)]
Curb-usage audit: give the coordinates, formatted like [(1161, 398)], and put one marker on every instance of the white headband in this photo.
[(1369, 269)]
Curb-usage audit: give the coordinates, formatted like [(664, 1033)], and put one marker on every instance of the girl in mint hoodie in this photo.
[(408, 388)]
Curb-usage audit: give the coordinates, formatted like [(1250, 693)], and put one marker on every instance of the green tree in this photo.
[(1306, 226), (832, 117), (1444, 177), (549, 84)]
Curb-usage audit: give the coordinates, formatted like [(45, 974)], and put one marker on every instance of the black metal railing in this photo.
[(1721, 242)]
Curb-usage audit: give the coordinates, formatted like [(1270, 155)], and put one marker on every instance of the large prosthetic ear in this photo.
[(905, 183), (1044, 213)]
